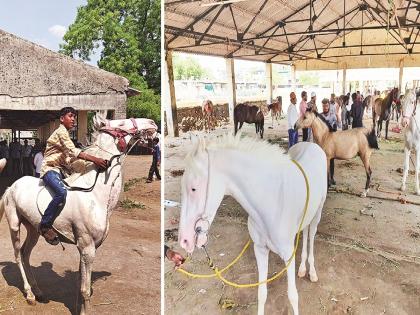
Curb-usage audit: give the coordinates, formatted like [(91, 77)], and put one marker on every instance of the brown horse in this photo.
[(342, 145), (276, 110), (207, 109), (250, 114), (382, 109)]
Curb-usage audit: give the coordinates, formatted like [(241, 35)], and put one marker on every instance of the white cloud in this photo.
[(57, 30)]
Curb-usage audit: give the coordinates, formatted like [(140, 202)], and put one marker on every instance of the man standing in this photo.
[(26, 158), (292, 117), (312, 103), (357, 111), (335, 109), (326, 113), (15, 151), (302, 108), (154, 169)]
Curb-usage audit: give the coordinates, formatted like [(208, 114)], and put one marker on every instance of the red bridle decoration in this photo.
[(120, 134)]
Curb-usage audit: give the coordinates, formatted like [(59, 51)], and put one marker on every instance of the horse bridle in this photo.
[(203, 218), (120, 135)]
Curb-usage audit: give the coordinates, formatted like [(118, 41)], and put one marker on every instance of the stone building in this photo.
[(36, 82)]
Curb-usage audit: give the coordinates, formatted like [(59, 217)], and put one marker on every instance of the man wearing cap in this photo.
[(302, 108), (292, 117)]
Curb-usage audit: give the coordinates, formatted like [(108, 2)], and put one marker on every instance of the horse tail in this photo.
[(372, 139)]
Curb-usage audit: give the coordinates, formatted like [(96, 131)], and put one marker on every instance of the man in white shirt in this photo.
[(292, 117), (39, 157)]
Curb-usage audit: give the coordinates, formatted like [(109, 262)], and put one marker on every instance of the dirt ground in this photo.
[(367, 250), (126, 272)]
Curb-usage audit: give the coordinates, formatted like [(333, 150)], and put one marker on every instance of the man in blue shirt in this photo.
[(156, 161)]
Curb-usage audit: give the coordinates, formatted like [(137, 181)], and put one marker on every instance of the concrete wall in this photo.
[(116, 102)]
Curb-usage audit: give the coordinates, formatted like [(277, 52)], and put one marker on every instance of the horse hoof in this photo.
[(31, 301), (363, 194), (301, 273), (402, 188), (40, 298), (313, 278), (418, 192)]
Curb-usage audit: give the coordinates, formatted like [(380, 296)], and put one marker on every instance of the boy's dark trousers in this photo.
[(154, 170)]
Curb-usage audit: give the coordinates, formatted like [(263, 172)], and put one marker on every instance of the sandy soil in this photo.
[(366, 264), (126, 271)]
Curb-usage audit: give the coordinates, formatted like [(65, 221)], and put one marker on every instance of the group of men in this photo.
[(20, 157), (331, 111)]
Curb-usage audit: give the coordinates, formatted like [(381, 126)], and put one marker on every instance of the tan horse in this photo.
[(207, 109), (342, 145), (276, 110)]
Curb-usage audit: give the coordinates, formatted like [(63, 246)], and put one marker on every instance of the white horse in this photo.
[(247, 169), (411, 120), (84, 220)]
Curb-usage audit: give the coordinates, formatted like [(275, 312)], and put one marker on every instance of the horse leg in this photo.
[(27, 247), (417, 172), (235, 123), (14, 225), (332, 171), (304, 255), (328, 172), (262, 130), (87, 255), (291, 281), (313, 226), (366, 162), (406, 167), (386, 129), (261, 254)]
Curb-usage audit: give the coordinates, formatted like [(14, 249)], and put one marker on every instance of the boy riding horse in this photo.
[(60, 149)]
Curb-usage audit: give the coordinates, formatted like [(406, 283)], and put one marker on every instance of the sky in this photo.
[(40, 21)]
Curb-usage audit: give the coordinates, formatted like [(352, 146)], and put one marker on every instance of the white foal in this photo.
[(247, 169)]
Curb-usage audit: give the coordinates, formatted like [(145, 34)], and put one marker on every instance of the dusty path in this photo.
[(126, 271), (366, 264)]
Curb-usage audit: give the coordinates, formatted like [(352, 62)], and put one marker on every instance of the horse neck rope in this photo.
[(218, 273)]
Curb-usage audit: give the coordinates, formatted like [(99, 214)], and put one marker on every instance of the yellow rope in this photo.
[(218, 273)]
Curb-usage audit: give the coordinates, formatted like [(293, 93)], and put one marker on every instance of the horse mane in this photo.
[(388, 99), (259, 149), (331, 129)]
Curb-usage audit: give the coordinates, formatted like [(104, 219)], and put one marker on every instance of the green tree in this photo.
[(186, 68), (127, 34)]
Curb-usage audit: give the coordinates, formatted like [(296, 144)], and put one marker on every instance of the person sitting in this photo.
[(59, 148), (329, 116)]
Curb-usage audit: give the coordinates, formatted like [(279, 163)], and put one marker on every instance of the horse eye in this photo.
[(193, 189)]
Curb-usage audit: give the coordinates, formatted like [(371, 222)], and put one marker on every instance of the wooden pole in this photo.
[(170, 99), (230, 71), (344, 79), (269, 81)]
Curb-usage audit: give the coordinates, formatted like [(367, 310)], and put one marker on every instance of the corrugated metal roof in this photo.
[(277, 30)]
